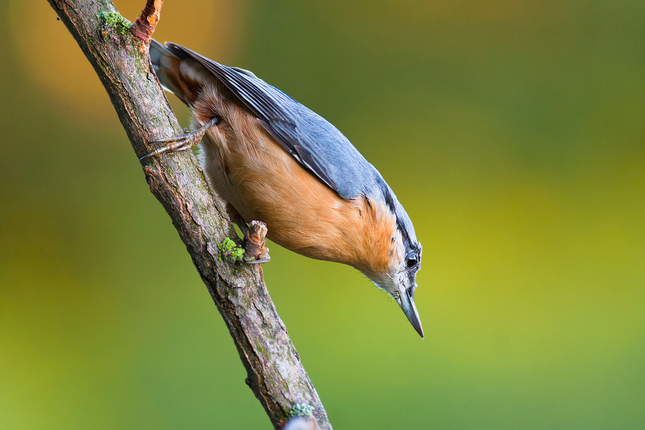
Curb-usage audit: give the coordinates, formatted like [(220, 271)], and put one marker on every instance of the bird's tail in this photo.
[(179, 74), (157, 53)]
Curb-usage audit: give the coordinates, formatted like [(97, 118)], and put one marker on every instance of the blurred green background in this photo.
[(512, 131)]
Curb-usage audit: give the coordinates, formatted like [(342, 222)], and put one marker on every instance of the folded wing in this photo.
[(312, 140)]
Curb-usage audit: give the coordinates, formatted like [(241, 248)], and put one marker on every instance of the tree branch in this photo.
[(120, 59)]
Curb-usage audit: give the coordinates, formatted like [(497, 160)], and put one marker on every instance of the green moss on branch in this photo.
[(228, 250), (114, 20)]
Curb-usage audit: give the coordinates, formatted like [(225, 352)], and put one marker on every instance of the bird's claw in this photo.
[(183, 141), (264, 258), (255, 244)]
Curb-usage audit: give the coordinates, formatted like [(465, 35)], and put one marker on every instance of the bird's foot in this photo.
[(183, 141), (255, 243)]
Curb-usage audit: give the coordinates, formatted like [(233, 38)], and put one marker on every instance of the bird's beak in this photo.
[(410, 310)]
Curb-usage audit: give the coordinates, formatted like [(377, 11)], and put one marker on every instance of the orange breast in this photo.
[(262, 181)]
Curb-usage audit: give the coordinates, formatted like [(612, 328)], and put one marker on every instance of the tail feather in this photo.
[(183, 77), (157, 52)]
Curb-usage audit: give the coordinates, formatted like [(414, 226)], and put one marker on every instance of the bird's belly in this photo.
[(263, 182)]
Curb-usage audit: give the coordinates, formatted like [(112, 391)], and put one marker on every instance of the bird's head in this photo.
[(400, 278), (392, 253)]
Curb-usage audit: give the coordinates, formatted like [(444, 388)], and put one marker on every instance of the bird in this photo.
[(272, 159)]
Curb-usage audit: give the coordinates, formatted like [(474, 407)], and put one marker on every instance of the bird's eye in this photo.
[(412, 261)]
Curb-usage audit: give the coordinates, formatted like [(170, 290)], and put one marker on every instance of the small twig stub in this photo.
[(146, 23), (255, 243)]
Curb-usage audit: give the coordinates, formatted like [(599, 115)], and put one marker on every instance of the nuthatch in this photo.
[(272, 159)]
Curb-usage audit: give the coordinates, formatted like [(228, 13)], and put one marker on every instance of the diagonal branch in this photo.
[(120, 59)]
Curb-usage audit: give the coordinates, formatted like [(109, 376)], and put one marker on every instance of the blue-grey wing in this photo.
[(312, 140)]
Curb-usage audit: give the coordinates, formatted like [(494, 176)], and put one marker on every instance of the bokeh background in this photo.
[(512, 131)]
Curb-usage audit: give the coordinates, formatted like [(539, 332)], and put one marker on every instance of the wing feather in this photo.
[(312, 140)]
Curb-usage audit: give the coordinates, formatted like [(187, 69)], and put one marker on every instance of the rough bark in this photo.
[(275, 373)]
